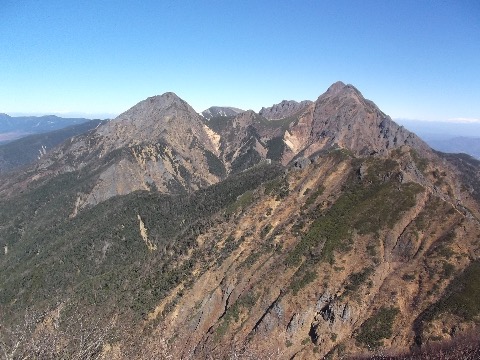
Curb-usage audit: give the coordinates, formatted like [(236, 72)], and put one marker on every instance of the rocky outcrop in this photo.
[(332, 316), (159, 143), (343, 117), (241, 142), (284, 109), (343, 255)]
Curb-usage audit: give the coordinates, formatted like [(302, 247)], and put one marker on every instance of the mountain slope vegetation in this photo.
[(331, 232)]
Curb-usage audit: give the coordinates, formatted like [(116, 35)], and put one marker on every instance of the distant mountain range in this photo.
[(456, 144), (449, 137), (12, 128), (309, 230), (28, 149), (216, 111)]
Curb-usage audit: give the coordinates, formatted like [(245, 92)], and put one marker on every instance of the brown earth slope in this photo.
[(332, 232), (341, 257)]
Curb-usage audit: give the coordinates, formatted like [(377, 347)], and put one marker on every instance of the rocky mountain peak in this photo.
[(335, 88), (344, 117), (166, 99), (284, 109), (342, 90), (160, 142), (155, 105), (150, 118)]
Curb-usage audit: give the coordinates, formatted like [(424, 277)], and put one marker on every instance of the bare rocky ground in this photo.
[(329, 233)]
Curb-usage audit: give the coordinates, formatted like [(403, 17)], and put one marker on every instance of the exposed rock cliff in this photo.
[(342, 117), (161, 142), (283, 110), (354, 238)]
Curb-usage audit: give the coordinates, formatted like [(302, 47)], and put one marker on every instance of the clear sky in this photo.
[(416, 59)]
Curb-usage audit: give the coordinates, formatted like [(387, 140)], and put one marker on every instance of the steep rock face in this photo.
[(343, 117), (241, 145), (161, 142), (284, 109), (341, 258), (354, 246)]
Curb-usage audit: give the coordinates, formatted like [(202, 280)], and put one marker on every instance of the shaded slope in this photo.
[(335, 255), (99, 259), (16, 127), (159, 143), (31, 148)]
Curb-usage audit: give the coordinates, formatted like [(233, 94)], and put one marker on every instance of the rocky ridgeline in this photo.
[(284, 109), (308, 230), (162, 142)]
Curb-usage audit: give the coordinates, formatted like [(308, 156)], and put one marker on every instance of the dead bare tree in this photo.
[(53, 335)]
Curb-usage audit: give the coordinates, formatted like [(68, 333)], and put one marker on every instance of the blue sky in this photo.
[(415, 59)]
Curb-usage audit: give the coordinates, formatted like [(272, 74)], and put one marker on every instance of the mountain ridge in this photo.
[(284, 109), (162, 141), (331, 232), (15, 127), (30, 148)]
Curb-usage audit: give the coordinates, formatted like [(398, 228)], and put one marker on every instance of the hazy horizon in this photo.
[(413, 59)]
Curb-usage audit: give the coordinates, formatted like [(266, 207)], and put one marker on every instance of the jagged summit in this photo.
[(284, 109), (335, 88), (152, 118), (165, 99), (343, 116), (340, 89), (155, 105), (163, 141), (348, 241)]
